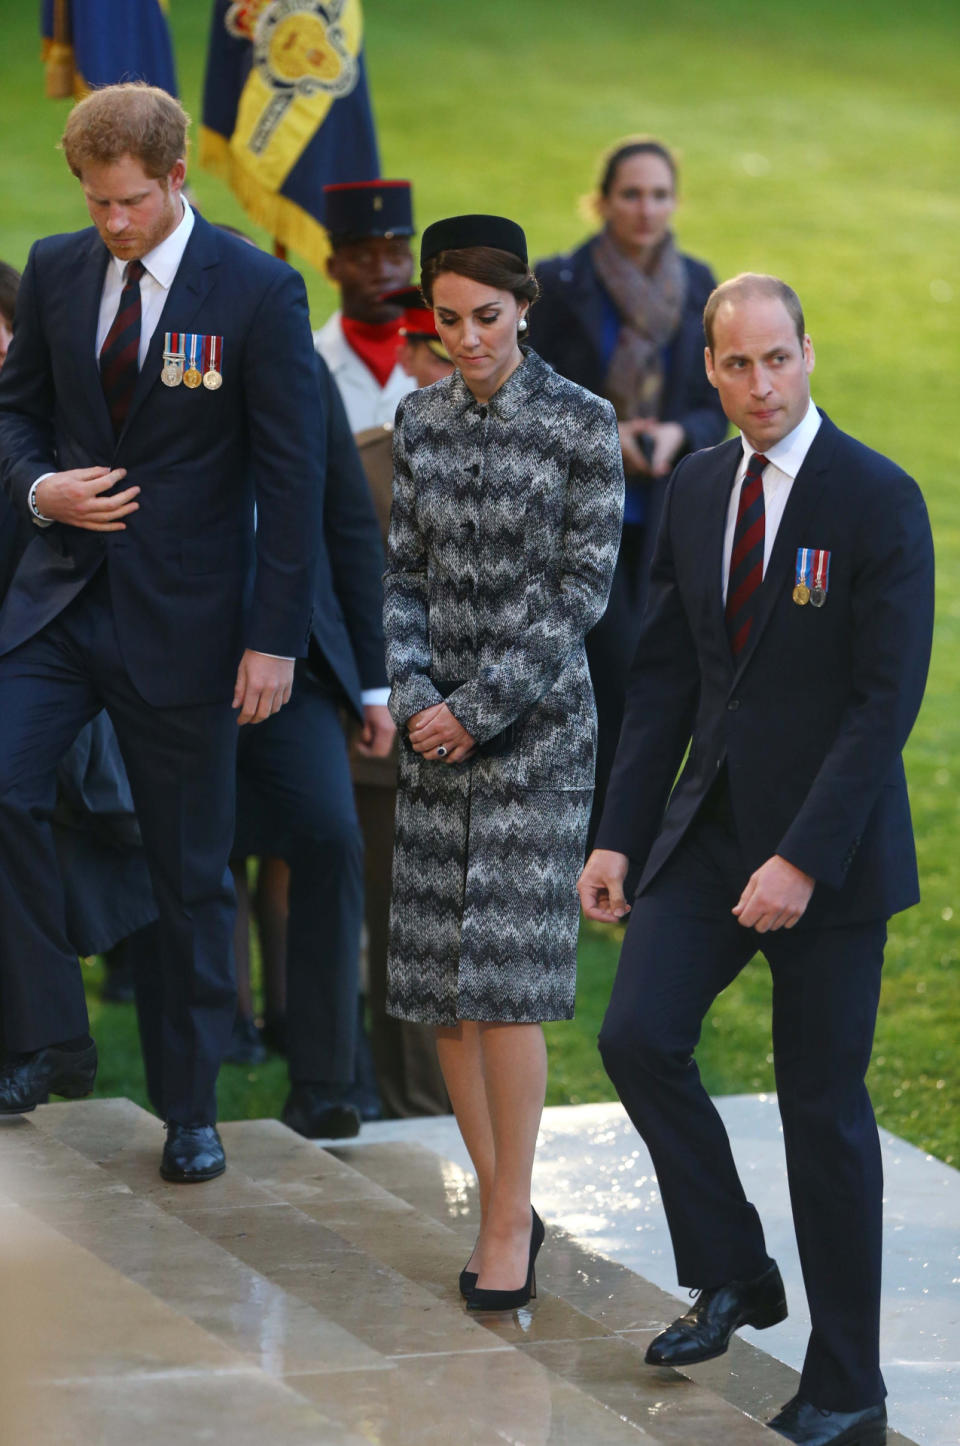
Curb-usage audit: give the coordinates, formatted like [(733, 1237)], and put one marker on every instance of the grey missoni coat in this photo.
[(503, 538)]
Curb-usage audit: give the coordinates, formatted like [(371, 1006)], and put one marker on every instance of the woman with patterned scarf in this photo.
[(621, 315)]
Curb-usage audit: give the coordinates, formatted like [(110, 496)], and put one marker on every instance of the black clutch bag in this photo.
[(501, 742)]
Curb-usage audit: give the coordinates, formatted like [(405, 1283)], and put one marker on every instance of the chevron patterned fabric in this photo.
[(504, 534)]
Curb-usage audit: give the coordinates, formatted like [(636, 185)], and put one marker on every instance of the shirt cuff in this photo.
[(37, 516), (375, 697), (280, 657)]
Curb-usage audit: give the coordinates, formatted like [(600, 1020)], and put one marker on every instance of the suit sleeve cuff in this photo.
[(375, 697)]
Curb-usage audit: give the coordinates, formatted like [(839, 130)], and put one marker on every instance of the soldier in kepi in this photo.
[(370, 224)]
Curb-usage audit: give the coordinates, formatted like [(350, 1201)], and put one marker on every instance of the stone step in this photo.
[(603, 1361), (91, 1356), (289, 1214), (627, 1307)]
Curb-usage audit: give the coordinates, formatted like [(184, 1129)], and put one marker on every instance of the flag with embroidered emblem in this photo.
[(87, 43), (286, 111)]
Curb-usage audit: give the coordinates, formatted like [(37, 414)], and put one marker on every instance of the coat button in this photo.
[(733, 705), (475, 469), (482, 414)]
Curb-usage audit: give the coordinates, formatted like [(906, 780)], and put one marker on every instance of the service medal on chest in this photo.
[(213, 377)]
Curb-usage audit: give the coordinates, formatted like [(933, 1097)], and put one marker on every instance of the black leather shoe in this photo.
[(26, 1081), (705, 1330), (513, 1299), (192, 1153), (314, 1113), (809, 1425)]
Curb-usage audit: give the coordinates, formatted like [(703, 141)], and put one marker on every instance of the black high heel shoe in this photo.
[(468, 1283), (513, 1299)]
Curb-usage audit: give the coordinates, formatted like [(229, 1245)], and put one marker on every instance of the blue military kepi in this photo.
[(354, 209), (457, 233)]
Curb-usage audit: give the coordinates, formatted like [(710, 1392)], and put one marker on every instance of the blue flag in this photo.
[(286, 111), (87, 43)]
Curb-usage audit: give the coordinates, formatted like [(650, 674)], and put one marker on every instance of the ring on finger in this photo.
[(441, 751)]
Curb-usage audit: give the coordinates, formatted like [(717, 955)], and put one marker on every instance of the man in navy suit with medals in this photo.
[(784, 650), (159, 395)]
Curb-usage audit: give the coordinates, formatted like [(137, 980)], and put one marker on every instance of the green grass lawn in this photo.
[(818, 141)]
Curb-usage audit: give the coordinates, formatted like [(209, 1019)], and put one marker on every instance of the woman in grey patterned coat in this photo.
[(508, 496)]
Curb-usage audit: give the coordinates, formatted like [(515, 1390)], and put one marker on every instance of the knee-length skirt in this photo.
[(484, 914)]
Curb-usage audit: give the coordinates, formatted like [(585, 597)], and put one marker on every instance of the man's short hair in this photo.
[(132, 119), (748, 284)]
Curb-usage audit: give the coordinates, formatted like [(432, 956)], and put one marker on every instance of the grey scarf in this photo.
[(650, 304)]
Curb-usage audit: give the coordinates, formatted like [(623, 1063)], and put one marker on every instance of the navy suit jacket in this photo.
[(192, 582), (811, 720), (347, 626)]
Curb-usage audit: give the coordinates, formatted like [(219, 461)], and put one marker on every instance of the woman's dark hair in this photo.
[(635, 146), (613, 160), (491, 267), (9, 285)]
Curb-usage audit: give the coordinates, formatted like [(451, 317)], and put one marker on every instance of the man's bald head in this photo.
[(747, 287)]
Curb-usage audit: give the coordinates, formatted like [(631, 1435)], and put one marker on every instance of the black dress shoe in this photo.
[(315, 1113), (513, 1299), (467, 1283), (192, 1153), (705, 1330), (27, 1079), (809, 1425)]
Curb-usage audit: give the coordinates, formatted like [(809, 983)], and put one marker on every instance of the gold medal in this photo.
[(801, 593), (212, 380), (172, 374), (192, 377)]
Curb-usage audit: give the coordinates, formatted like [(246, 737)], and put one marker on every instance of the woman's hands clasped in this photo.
[(435, 733)]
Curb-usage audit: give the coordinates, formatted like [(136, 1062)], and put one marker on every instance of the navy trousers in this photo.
[(295, 801), (180, 763), (682, 948)]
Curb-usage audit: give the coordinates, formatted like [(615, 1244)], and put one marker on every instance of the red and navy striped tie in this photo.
[(119, 355), (746, 558)]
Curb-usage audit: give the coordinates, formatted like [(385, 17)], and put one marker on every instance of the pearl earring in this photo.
[(522, 325)]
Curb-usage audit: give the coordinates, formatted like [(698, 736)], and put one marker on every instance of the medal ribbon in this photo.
[(803, 566), (821, 568)]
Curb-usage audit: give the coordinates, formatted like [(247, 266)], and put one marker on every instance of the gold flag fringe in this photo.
[(284, 219)]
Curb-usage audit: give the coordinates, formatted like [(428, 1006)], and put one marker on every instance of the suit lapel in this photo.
[(804, 496), (716, 525), (83, 314), (194, 279)]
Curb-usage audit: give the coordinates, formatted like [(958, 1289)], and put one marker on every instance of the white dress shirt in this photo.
[(367, 403), (160, 267), (785, 459)]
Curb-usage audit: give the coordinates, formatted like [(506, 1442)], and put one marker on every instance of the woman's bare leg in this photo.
[(515, 1077), (461, 1062)]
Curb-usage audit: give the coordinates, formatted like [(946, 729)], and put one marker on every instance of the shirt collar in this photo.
[(788, 454), (521, 384), (162, 262)]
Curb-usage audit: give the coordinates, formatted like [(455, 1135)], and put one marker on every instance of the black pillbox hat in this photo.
[(355, 209), (456, 233)]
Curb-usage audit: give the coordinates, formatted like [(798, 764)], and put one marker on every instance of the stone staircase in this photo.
[(310, 1296)]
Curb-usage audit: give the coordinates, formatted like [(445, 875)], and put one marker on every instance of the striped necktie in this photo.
[(119, 355), (746, 557)]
